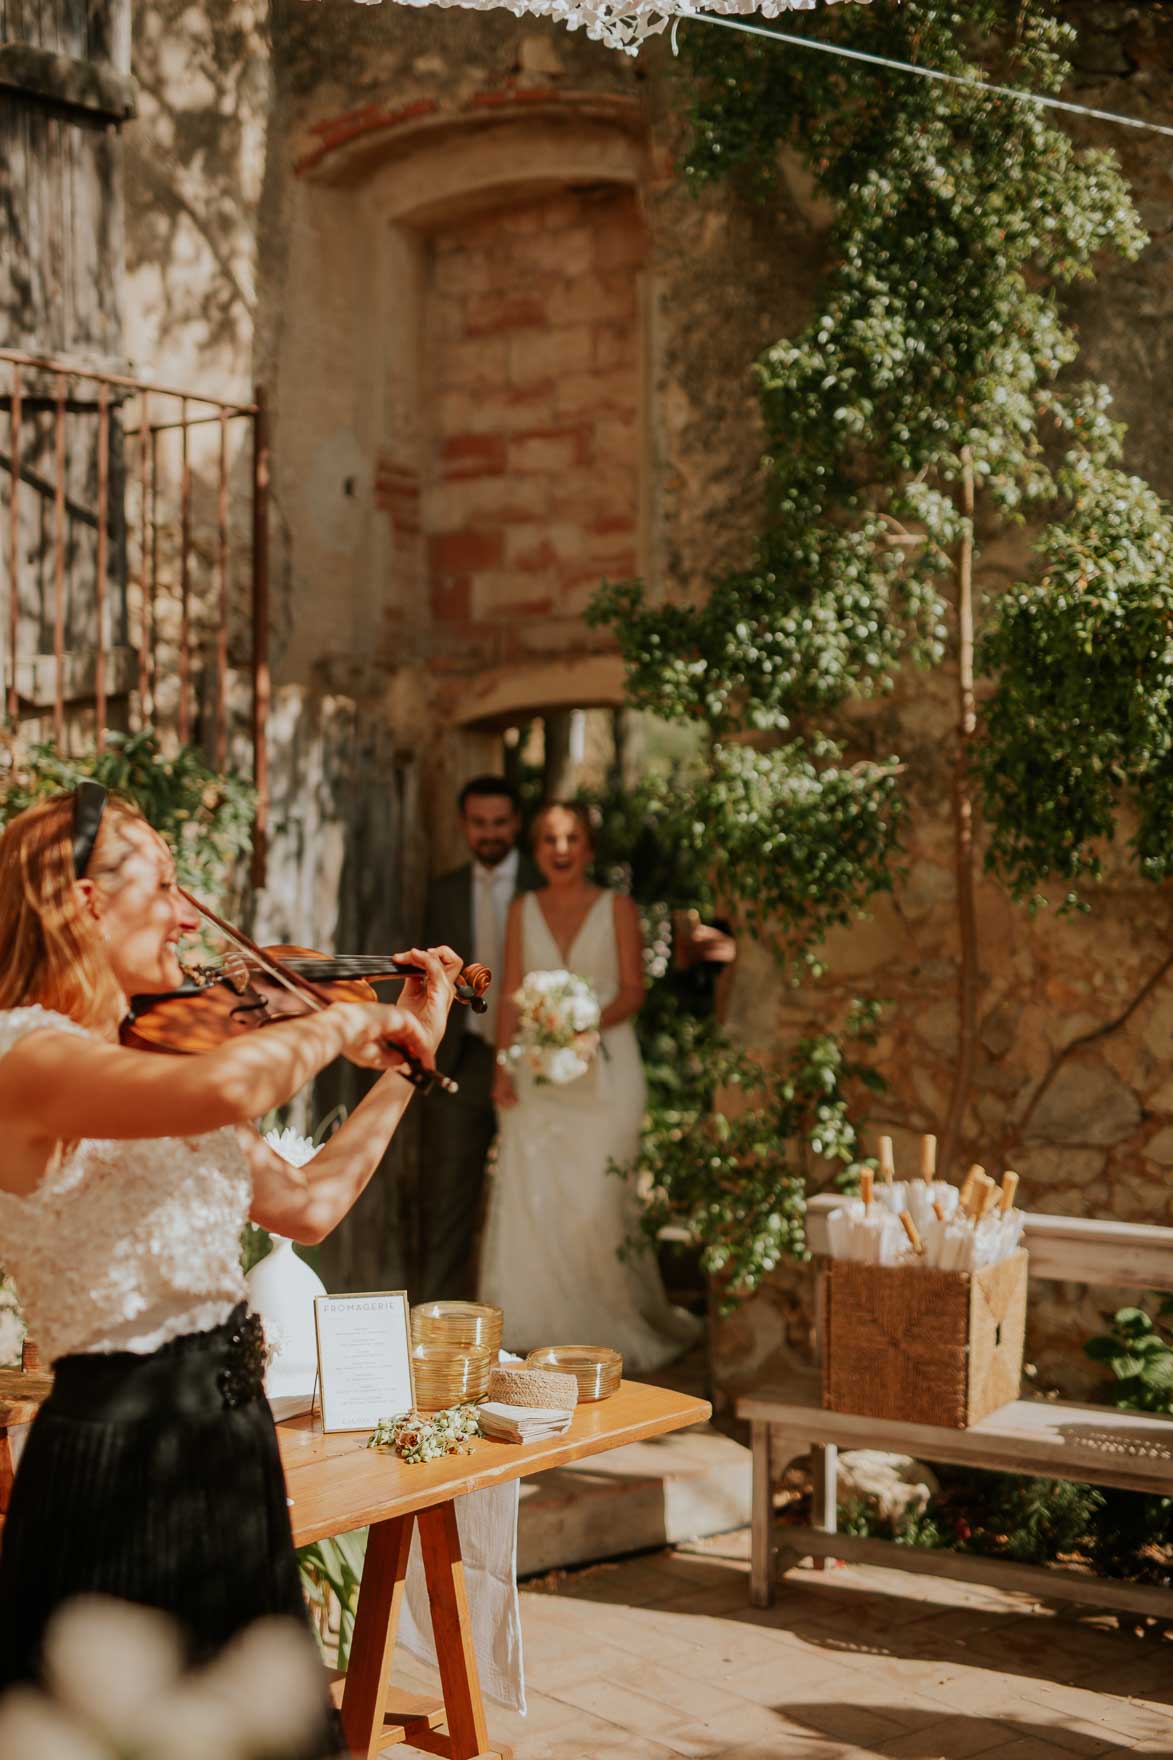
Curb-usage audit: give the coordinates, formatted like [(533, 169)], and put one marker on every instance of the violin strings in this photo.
[(241, 940), (303, 988)]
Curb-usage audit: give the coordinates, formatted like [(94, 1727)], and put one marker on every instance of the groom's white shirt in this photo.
[(492, 892)]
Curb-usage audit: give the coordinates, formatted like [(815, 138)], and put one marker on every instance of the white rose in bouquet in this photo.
[(557, 1034)]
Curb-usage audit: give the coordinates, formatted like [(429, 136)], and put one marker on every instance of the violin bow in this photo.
[(411, 1069)]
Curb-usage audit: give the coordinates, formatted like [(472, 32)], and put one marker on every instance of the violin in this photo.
[(256, 986)]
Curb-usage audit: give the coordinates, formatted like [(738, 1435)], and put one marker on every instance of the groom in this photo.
[(466, 909)]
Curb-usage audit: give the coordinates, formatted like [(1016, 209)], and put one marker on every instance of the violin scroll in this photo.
[(471, 986)]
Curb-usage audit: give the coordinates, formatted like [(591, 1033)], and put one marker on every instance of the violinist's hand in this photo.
[(377, 1035), (429, 998)]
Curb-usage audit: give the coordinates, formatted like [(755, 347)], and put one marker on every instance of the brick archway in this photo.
[(467, 317), (509, 694)]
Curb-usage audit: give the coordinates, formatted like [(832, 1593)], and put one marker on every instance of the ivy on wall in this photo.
[(931, 405)]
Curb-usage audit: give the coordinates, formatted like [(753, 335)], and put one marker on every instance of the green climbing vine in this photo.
[(930, 406)]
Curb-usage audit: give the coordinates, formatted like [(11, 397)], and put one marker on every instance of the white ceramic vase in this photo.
[(281, 1289)]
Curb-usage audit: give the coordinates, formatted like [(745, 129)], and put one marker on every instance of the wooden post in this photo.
[(761, 1568), (102, 563), (260, 610), (14, 426), (825, 1493), (144, 441), (153, 647), (220, 744), (963, 830), (184, 577), (59, 562)]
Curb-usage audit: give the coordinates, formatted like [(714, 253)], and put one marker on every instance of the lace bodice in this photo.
[(124, 1245)]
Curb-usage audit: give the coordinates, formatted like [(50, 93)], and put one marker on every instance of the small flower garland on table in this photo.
[(420, 1436)]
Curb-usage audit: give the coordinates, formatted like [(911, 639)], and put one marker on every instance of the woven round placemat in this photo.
[(533, 1387)]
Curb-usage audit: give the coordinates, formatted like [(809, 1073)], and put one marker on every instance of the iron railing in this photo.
[(148, 497)]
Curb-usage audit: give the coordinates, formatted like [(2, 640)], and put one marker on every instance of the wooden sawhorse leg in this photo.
[(376, 1716)]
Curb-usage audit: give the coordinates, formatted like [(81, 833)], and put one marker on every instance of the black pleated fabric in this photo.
[(138, 1480)]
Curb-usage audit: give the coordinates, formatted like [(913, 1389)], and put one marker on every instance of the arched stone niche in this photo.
[(461, 405)]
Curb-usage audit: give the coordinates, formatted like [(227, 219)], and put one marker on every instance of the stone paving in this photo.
[(661, 1656)]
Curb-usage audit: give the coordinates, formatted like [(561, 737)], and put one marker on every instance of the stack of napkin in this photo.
[(502, 1423)]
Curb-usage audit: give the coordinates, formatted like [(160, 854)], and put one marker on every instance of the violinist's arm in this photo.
[(56, 1085), (629, 942), (305, 1203)]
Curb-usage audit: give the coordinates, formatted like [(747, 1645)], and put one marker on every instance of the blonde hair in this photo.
[(53, 952)]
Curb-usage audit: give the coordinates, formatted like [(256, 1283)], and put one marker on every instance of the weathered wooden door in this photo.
[(65, 90)]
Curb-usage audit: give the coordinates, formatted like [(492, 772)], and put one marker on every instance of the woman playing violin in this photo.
[(152, 1471)]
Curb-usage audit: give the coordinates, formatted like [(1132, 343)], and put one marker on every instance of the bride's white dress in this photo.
[(556, 1216)]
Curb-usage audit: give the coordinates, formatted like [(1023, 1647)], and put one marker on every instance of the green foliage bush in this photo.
[(938, 355), (1139, 1352), (205, 817), (736, 1179), (938, 336)]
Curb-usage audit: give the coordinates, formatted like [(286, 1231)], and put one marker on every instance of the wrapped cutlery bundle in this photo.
[(927, 1221), (924, 1297), (502, 1423)]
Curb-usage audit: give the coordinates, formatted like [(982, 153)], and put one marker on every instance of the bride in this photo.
[(557, 1217)]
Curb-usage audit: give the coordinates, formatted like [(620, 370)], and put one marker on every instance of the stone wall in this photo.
[(1098, 1139), (532, 344), (508, 352)]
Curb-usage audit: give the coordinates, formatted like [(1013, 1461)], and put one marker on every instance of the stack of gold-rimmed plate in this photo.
[(461, 1326), (597, 1370), (445, 1376)]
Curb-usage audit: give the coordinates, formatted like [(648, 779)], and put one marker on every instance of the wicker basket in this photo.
[(921, 1346)]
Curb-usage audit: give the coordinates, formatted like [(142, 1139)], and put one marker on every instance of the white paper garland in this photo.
[(625, 24)]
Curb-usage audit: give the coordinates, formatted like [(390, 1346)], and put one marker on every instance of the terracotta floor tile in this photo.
[(712, 1736), (956, 1738), (843, 1721), (631, 1710), (793, 1745), (763, 1683), (662, 1658), (1033, 1748)]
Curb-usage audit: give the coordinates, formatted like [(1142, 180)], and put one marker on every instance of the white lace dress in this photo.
[(124, 1245), (557, 1217), (152, 1472)]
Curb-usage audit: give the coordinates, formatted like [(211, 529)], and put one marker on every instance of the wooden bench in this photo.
[(1052, 1439)]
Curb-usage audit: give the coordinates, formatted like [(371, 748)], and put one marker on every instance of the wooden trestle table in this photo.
[(336, 1483)]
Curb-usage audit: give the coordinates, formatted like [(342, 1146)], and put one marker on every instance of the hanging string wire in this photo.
[(1041, 99)]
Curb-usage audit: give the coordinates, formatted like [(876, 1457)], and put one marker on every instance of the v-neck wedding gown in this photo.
[(557, 1217)]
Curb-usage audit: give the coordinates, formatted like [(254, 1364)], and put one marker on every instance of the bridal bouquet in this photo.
[(558, 1032)]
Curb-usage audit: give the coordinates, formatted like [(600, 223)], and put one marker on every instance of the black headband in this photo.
[(89, 802)]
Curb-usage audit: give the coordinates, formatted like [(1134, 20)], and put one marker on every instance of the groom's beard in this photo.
[(492, 854)]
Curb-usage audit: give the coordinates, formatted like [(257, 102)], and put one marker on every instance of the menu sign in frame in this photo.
[(364, 1358)]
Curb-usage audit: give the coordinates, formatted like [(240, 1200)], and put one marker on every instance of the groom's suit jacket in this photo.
[(448, 922)]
